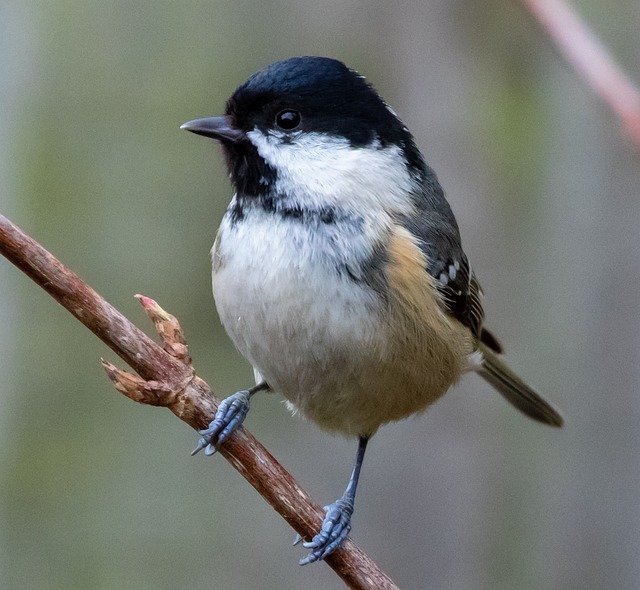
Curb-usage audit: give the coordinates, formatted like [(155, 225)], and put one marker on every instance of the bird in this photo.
[(338, 268)]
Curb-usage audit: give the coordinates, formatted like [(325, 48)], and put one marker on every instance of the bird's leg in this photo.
[(230, 415), (337, 520)]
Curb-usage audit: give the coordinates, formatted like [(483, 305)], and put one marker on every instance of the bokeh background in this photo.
[(98, 492)]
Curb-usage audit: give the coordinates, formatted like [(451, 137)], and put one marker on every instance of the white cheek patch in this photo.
[(321, 170)]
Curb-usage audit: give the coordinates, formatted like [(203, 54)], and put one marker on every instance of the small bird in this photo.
[(338, 270)]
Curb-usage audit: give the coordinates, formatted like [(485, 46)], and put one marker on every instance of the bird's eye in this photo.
[(288, 119)]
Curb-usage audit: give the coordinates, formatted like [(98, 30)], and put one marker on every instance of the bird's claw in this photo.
[(335, 528), (230, 415)]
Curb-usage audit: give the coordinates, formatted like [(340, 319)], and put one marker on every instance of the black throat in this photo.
[(249, 172)]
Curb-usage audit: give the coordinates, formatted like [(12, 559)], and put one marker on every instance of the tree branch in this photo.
[(167, 379), (588, 55)]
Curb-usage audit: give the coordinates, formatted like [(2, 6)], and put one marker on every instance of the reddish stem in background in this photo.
[(587, 54)]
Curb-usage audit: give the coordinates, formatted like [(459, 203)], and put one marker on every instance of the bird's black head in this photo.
[(314, 94), (297, 97)]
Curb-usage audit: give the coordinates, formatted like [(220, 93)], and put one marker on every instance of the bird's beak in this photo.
[(221, 128)]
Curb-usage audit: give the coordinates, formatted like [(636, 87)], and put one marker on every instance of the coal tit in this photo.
[(338, 270)]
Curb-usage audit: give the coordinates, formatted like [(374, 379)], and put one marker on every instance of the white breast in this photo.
[(309, 329)]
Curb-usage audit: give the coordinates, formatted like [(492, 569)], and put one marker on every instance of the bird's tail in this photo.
[(515, 390)]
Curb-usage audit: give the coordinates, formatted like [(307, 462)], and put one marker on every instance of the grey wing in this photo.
[(435, 226), (463, 295)]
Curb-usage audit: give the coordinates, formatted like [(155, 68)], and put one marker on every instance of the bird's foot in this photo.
[(230, 415), (335, 528)]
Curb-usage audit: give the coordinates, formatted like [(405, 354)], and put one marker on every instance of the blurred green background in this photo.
[(98, 492)]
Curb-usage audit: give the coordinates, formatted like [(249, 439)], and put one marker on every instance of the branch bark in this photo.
[(167, 379), (589, 56)]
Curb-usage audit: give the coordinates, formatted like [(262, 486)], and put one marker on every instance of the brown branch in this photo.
[(167, 379), (588, 55)]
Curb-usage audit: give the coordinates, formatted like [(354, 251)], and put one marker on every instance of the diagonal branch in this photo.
[(167, 379), (588, 55)]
